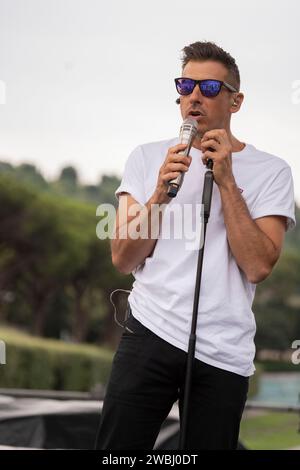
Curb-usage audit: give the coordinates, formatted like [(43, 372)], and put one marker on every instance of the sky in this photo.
[(83, 82)]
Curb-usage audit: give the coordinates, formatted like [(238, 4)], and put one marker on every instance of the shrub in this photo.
[(37, 363)]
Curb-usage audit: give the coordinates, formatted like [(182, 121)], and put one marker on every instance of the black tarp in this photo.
[(65, 424), (57, 424)]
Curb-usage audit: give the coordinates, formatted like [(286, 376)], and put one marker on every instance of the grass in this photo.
[(270, 431)]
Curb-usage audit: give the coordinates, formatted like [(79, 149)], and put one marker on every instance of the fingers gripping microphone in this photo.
[(188, 132)]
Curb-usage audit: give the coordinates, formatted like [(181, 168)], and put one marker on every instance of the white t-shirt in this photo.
[(163, 291)]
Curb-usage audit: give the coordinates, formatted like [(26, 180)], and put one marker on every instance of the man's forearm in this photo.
[(135, 240), (253, 250)]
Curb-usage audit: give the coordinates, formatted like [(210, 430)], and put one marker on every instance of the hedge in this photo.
[(37, 363), (279, 366)]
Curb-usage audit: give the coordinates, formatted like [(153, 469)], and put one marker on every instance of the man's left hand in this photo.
[(218, 140)]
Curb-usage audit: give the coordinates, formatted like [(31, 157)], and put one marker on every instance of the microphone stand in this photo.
[(206, 203)]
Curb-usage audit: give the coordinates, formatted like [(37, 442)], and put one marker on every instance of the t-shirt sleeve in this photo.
[(277, 198), (133, 181)]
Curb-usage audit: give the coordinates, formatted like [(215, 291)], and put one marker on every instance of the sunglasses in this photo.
[(209, 88)]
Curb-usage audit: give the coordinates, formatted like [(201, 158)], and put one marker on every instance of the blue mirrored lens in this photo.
[(210, 87), (185, 86)]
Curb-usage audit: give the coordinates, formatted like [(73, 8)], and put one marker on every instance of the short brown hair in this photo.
[(210, 51)]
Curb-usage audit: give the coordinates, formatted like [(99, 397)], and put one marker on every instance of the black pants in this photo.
[(147, 378)]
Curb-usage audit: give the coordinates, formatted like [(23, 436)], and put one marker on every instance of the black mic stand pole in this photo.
[(206, 203)]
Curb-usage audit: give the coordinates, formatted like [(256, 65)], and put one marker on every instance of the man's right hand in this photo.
[(129, 253), (174, 164)]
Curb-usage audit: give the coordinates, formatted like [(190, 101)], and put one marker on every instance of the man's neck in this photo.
[(237, 145)]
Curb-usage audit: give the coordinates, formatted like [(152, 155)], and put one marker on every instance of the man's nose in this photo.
[(196, 96)]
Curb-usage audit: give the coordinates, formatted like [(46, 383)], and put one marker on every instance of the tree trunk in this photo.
[(40, 316), (79, 329)]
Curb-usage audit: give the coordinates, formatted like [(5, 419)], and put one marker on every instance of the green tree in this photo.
[(277, 304)]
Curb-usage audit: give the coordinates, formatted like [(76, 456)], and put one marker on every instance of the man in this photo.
[(252, 207)]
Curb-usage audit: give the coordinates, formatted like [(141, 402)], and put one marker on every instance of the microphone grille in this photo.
[(188, 130)]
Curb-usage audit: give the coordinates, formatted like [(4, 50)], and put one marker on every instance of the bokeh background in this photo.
[(82, 83)]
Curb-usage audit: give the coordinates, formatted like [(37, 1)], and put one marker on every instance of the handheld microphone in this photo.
[(187, 135)]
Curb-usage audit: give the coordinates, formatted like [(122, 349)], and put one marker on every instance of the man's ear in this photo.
[(236, 103)]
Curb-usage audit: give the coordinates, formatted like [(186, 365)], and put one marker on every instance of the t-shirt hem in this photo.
[(291, 222), (207, 360), (130, 190)]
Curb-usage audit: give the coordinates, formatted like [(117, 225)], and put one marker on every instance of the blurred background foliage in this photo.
[(56, 276)]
